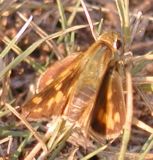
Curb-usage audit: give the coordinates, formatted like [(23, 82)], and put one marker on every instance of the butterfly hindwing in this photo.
[(109, 113)]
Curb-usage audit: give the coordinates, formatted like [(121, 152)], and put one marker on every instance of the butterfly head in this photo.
[(112, 39)]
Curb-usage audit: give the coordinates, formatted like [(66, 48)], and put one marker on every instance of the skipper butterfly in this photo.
[(86, 88)]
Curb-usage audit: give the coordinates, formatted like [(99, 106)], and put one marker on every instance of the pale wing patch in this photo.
[(37, 100), (110, 120), (109, 95), (117, 117), (49, 82), (50, 102), (109, 107), (110, 123), (100, 117), (58, 97), (58, 86), (37, 110)]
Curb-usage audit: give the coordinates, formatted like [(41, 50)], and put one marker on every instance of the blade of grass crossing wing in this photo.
[(14, 40)]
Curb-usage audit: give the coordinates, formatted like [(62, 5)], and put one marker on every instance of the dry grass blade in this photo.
[(20, 148), (74, 12), (9, 139), (148, 56), (43, 34), (64, 23), (18, 50), (72, 154), (141, 62), (134, 29), (93, 31), (54, 139), (47, 136), (142, 125), (107, 10), (142, 80), (129, 115), (146, 148), (123, 10), (14, 40), (90, 155), (24, 121), (61, 133), (145, 99), (38, 147)]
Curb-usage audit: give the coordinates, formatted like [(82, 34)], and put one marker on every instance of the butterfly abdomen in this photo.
[(79, 102)]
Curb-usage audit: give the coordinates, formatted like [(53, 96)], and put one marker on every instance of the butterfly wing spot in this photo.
[(50, 102), (38, 110), (37, 100), (58, 96), (109, 119), (117, 117), (110, 123), (58, 86), (109, 96), (49, 82)]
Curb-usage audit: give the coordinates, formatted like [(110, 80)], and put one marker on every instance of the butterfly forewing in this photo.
[(54, 90), (55, 70)]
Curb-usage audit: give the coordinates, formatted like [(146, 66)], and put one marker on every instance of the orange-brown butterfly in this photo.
[(86, 88)]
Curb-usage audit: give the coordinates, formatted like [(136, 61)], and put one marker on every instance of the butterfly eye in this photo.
[(118, 44)]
